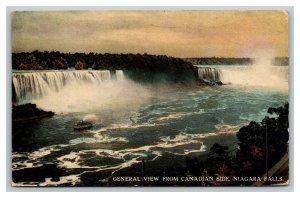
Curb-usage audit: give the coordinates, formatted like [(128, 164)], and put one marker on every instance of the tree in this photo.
[(57, 64), (79, 65), (64, 62), (23, 66), (253, 138), (221, 151)]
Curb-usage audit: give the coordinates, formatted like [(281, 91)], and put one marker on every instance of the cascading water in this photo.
[(208, 73), (130, 121), (255, 75), (120, 75), (28, 85)]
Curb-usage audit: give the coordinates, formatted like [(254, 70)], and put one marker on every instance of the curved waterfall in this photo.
[(208, 73), (28, 85), (256, 75)]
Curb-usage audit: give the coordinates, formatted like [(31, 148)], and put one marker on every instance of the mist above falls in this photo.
[(261, 74), (78, 91), (110, 95)]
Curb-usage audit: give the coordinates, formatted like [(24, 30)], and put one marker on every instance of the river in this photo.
[(132, 122)]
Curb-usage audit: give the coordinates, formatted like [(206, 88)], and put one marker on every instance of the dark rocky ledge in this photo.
[(28, 112)]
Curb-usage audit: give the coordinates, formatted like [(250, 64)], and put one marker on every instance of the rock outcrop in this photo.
[(28, 111)]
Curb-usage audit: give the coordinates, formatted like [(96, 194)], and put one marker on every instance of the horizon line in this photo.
[(141, 53)]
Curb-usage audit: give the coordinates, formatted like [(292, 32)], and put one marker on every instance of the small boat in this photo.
[(82, 125)]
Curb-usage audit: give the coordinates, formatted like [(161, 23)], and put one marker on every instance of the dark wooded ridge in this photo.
[(139, 67)]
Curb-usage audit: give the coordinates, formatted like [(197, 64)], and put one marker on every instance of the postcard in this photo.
[(107, 98)]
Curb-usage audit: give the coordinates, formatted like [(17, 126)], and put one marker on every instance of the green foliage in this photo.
[(256, 140), (221, 151), (270, 135)]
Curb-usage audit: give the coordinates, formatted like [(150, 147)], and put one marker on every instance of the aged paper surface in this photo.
[(150, 98)]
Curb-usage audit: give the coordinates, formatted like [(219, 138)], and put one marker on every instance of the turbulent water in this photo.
[(261, 76), (131, 122)]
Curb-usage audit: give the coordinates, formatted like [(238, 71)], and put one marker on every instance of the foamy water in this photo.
[(131, 123)]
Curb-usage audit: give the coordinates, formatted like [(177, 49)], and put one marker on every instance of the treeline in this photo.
[(281, 61), (254, 156), (143, 67), (220, 61), (37, 60)]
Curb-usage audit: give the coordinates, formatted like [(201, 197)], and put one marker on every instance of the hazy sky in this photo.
[(174, 33)]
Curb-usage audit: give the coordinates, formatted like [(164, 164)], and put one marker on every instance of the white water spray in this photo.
[(84, 91), (261, 74), (88, 98), (90, 118)]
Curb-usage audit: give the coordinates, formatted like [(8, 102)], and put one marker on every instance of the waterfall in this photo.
[(120, 75), (28, 85), (208, 73), (255, 75)]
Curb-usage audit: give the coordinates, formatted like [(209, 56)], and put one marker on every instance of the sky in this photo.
[(199, 33)]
